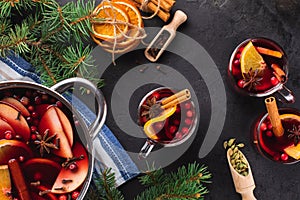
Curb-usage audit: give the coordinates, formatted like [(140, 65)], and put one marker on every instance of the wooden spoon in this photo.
[(243, 184)]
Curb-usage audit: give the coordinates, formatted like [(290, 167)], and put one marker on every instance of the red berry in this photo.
[(33, 129), (37, 100), (188, 121), (241, 83), (172, 129), (269, 133), (284, 157), (268, 118), (185, 130), (236, 71), (63, 197), (156, 95), (30, 108), (236, 63), (59, 104), (178, 109), (25, 101), (263, 127), (34, 115), (33, 137), (187, 105), (21, 158), (241, 49), (76, 123), (276, 157), (274, 80), (270, 127), (179, 135), (189, 113), (176, 122), (8, 135), (45, 97), (75, 194), (73, 167), (238, 56), (29, 119)]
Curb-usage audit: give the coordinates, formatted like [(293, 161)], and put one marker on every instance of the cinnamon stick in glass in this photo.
[(279, 73), (274, 116)]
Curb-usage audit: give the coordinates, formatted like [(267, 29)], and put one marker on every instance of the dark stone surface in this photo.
[(220, 25)]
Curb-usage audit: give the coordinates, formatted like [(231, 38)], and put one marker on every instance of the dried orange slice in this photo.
[(111, 13), (251, 59), (288, 117)]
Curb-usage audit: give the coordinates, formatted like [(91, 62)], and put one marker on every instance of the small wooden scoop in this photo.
[(243, 184), (164, 37)]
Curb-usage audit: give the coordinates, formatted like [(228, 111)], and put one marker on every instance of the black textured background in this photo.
[(220, 25)]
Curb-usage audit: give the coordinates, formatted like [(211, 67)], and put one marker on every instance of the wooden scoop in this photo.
[(164, 37), (243, 184)]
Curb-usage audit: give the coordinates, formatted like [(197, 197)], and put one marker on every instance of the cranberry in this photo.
[(185, 130), (63, 197), (59, 104), (45, 97), (238, 56), (75, 194), (268, 118), (263, 126), (284, 157), (76, 123), (73, 167), (25, 101), (34, 115), (236, 63), (236, 71), (269, 133), (241, 49), (178, 109), (21, 158), (8, 135), (276, 157), (33, 129), (189, 113), (30, 108), (172, 129), (176, 122), (156, 95), (37, 100), (33, 137), (274, 80), (187, 105), (29, 119), (179, 135), (241, 83), (270, 127), (188, 121)]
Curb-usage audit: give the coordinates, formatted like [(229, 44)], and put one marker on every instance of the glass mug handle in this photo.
[(146, 149), (286, 95)]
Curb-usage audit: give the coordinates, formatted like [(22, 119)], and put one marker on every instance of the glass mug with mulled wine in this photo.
[(258, 67), (276, 134), (168, 118)]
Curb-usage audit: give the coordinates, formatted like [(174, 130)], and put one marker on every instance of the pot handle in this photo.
[(66, 84)]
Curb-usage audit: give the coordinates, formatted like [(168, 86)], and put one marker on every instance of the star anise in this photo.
[(295, 134), (252, 79), (151, 109), (44, 143)]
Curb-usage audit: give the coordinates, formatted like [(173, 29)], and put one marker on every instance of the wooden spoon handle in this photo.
[(248, 195)]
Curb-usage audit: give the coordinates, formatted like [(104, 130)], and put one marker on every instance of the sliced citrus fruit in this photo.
[(115, 21), (251, 59), (292, 150)]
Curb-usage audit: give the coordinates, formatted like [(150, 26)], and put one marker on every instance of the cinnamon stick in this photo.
[(279, 73), (274, 116), (163, 5), (18, 179), (175, 99), (161, 14)]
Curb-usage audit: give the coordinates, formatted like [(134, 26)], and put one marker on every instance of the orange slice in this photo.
[(111, 13), (293, 151), (251, 59)]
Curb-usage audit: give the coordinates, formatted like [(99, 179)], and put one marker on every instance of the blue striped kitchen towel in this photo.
[(109, 152)]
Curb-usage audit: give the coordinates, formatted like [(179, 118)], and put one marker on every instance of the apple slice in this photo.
[(15, 103), (4, 128), (5, 183), (42, 108), (52, 121), (16, 120), (66, 125), (41, 169), (13, 149), (76, 177)]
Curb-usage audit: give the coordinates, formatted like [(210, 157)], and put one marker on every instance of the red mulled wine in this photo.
[(173, 129), (284, 149), (267, 81), (39, 147)]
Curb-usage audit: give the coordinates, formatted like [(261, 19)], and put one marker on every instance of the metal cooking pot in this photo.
[(89, 132)]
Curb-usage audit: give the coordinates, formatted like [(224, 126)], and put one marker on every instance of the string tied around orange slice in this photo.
[(121, 28)]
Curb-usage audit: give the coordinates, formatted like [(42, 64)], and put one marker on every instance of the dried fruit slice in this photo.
[(75, 177), (5, 183), (251, 59), (288, 117), (110, 12)]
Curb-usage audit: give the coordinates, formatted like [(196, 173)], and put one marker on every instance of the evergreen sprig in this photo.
[(53, 38)]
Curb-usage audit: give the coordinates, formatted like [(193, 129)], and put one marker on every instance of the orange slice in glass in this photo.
[(115, 21), (293, 151), (251, 59)]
